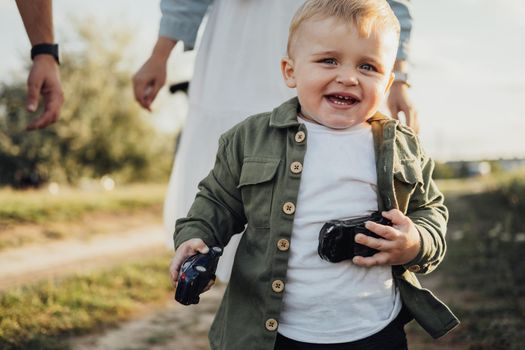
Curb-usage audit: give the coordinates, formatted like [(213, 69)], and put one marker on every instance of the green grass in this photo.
[(39, 316), (479, 184), (40, 206), (486, 244), (484, 259)]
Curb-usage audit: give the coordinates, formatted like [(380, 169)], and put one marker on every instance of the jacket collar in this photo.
[(379, 117), (285, 115)]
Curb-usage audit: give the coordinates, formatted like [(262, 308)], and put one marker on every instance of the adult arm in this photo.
[(403, 11), (398, 99), (180, 22), (44, 77), (181, 19)]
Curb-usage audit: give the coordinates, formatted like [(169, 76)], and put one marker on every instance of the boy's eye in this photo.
[(328, 61), (368, 67)]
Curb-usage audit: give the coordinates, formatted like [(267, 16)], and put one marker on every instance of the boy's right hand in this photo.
[(184, 251)]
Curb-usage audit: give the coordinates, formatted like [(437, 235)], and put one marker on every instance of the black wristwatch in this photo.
[(45, 49)]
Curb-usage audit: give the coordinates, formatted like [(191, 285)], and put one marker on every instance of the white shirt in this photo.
[(328, 302)]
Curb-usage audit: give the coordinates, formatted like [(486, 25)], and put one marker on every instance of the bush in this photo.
[(101, 128)]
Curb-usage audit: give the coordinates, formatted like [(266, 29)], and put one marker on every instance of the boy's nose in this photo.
[(347, 77)]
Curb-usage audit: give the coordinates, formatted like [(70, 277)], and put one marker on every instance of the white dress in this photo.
[(237, 74)]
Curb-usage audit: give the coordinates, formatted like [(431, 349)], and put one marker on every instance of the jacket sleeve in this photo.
[(181, 19), (403, 12), (427, 210), (217, 212)]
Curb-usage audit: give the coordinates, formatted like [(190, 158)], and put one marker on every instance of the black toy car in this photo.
[(337, 238), (195, 274)]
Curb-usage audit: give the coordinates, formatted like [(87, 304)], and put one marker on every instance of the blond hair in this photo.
[(365, 15)]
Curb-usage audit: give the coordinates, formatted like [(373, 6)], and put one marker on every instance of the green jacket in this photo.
[(254, 184)]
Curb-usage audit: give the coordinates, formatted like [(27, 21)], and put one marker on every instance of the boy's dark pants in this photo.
[(392, 337)]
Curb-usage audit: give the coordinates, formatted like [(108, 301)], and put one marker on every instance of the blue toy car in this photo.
[(195, 274)]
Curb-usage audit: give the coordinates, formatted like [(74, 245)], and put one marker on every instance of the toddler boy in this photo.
[(325, 155)]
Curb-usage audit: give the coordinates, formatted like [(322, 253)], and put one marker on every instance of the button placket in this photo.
[(296, 167), (289, 208), (278, 286), (300, 136), (283, 245), (271, 324)]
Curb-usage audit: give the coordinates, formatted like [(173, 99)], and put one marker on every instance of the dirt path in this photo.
[(30, 263), (173, 326), (165, 326), (169, 326)]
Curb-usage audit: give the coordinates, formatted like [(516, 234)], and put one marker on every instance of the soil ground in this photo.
[(166, 325), (56, 259)]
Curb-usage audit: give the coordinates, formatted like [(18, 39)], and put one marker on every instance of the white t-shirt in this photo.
[(328, 302)]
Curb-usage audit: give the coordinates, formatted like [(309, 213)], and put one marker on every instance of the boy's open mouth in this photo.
[(342, 100)]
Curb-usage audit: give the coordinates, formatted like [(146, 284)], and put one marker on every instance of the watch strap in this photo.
[(401, 77), (45, 49)]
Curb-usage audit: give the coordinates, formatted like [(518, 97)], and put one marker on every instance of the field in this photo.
[(54, 213), (482, 279), (484, 272)]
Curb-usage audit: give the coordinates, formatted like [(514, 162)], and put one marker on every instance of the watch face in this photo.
[(45, 49), (401, 76)]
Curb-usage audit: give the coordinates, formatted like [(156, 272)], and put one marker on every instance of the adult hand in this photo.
[(152, 75), (148, 80), (44, 80), (399, 101), (399, 243), (184, 251)]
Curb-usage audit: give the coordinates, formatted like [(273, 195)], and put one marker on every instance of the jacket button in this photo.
[(414, 268), (289, 208), (277, 286), (300, 136), (271, 324), (283, 245), (296, 167)]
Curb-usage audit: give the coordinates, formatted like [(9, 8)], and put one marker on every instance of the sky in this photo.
[(467, 67)]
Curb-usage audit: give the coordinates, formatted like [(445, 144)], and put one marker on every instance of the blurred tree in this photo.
[(101, 129)]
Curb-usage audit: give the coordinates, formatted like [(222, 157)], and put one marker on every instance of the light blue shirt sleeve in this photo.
[(402, 10), (181, 19)]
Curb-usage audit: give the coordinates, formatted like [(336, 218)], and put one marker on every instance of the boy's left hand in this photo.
[(400, 243)]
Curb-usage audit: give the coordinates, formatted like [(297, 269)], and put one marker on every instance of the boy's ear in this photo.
[(287, 69), (390, 82)]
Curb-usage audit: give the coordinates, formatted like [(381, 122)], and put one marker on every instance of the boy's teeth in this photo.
[(342, 100)]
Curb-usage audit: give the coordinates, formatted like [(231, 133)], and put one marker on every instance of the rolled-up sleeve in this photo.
[(403, 12), (181, 19)]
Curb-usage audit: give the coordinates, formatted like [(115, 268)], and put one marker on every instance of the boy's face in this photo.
[(341, 78)]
